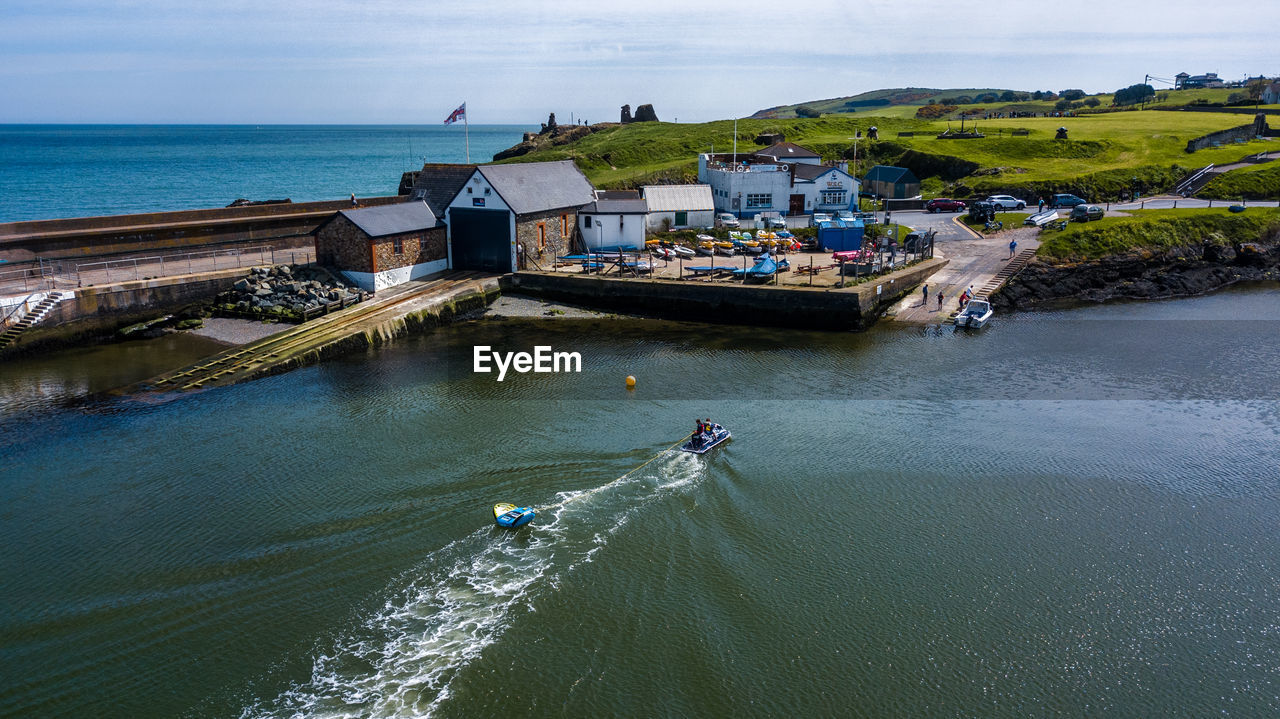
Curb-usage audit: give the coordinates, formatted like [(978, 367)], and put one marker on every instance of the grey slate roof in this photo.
[(438, 183), (811, 172), (617, 207), (383, 220), (785, 150), (529, 187)]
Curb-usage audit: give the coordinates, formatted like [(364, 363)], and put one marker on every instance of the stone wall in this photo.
[(1243, 133), (416, 248), (342, 245), (557, 242), (854, 308), (281, 226)]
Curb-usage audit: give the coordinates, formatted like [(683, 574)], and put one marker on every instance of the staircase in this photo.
[(37, 313), (1014, 267)]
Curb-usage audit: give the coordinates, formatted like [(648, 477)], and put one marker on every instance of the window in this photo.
[(488, 190), (586, 221), (756, 202), (397, 245), (834, 197), (564, 225), (682, 218), (468, 190), (542, 235)]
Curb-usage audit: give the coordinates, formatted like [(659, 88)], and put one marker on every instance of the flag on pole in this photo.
[(459, 114)]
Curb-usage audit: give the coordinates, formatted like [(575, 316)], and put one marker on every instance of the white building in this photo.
[(759, 183), (679, 207), (613, 223)]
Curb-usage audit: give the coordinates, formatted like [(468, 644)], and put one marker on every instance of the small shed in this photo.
[(889, 182), (607, 224), (679, 207), (383, 246)]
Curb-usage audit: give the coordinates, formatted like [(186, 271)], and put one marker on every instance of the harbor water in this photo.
[(1068, 513), (55, 171)]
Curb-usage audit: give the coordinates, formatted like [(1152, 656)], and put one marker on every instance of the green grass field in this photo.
[(1156, 231), (1102, 157), (1257, 182)]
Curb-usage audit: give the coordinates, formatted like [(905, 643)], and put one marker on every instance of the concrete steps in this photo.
[(30, 319), (1014, 267)]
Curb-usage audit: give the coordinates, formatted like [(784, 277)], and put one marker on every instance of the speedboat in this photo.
[(976, 314), (706, 441), (510, 516)]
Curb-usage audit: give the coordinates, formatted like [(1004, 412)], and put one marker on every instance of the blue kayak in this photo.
[(510, 516)]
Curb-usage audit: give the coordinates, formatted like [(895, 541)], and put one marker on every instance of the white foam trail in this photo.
[(401, 661)]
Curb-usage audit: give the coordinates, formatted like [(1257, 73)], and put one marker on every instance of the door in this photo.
[(682, 219), (481, 239), (797, 205)]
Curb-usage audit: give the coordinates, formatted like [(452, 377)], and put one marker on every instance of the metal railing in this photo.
[(39, 276)]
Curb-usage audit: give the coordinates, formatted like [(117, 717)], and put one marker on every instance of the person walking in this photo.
[(1013, 247), (1040, 207), (940, 299), (925, 292)]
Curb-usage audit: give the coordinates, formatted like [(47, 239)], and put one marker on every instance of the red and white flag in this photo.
[(456, 115)]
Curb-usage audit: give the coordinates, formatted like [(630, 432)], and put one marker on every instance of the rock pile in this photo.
[(284, 292)]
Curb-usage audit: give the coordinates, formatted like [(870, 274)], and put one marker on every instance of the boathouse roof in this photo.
[(788, 150), (529, 187), (412, 216), (438, 183)]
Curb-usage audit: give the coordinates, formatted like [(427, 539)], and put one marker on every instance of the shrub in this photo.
[(1072, 94), (933, 112), (806, 111)]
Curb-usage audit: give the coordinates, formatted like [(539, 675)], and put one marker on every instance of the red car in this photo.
[(938, 204)]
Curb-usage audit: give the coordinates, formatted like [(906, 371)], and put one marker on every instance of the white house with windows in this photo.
[(679, 207), (746, 185), (608, 224)]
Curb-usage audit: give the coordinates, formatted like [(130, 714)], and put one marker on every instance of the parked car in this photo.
[(1084, 213), (941, 204), (726, 219), (821, 217), (1066, 201), (775, 223), (845, 215), (1007, 202)]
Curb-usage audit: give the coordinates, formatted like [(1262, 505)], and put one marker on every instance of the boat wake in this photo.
[(402, 660)]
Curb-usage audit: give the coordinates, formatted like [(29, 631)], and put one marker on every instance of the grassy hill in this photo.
[(904, 102), (1104, 154), (1157, 232)]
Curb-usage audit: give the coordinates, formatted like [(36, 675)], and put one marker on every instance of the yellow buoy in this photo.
[(631, 382)]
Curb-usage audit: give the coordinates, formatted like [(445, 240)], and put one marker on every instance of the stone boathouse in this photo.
[(379, 247)]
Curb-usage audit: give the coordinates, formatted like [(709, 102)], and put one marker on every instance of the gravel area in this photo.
[(520, 306), (233, 331)]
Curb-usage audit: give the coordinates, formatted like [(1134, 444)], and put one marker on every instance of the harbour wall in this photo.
[(98, 311), (281, 226), (850, 308), (1243, 133)]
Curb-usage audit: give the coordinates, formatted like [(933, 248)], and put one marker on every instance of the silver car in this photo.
[(1007, 202)]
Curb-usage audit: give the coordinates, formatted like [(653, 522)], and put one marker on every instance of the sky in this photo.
[(514, 61)]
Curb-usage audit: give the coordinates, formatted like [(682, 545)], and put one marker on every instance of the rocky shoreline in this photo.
[(1182, 272)]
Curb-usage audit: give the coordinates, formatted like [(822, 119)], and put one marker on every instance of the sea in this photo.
[(1068, 513), (58, 171)]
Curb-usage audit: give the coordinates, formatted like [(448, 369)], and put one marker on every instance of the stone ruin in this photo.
[(644, 113)]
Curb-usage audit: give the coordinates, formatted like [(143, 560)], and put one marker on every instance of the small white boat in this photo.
[(682, 251), (976, 314), (664, 253), (706, 238)]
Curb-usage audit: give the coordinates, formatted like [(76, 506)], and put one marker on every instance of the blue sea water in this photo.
[(54, 171)]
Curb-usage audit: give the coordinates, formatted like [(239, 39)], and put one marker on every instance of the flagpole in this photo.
[(466, 129)]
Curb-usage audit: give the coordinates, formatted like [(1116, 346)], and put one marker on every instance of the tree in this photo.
[(1071, 94), (1134, 94), (1256, 88), (1062, 105), (964, 100), (1092, 101), (806, 111), (1037, 95), (1239, 98), (947, 101)]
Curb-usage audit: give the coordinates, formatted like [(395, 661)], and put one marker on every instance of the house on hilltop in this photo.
[(383, 246), (507, 217), (783, 179)]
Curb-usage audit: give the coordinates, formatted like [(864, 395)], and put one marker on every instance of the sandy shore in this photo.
[(233, 331)]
